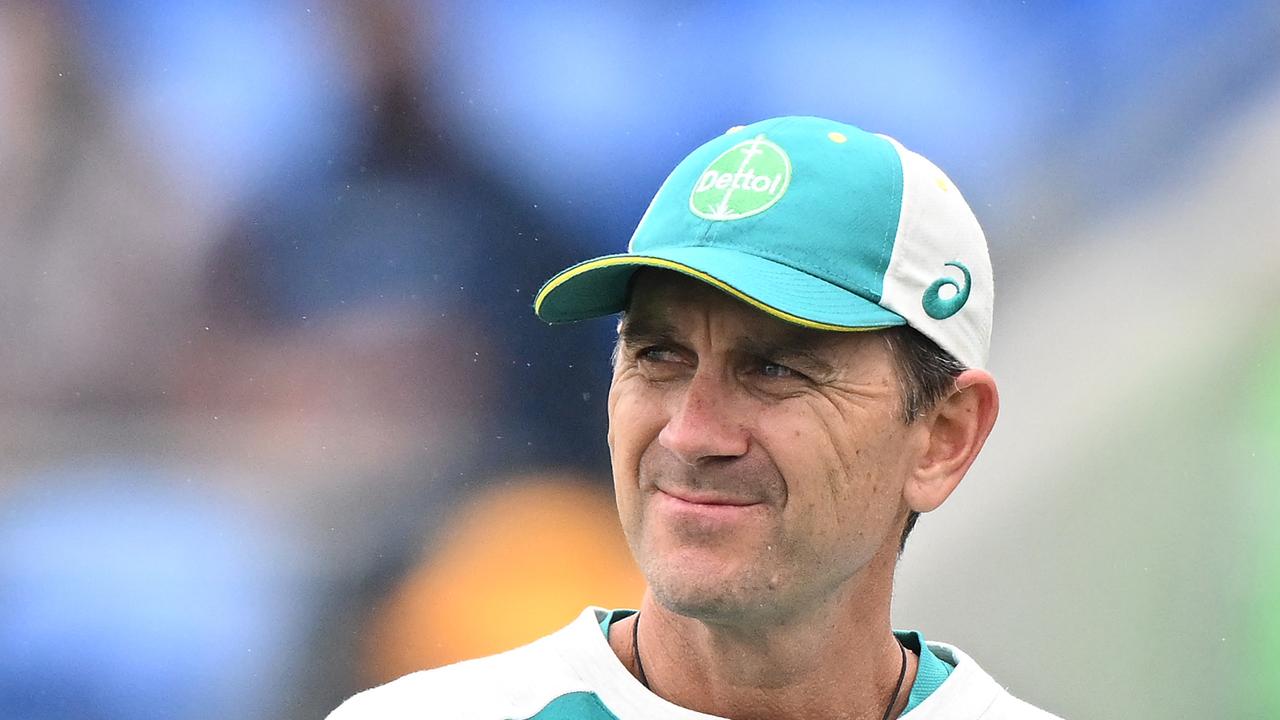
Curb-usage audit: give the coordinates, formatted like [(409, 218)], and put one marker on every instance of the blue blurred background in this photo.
[(278, 425)]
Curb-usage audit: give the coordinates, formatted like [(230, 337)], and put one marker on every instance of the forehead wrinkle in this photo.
[(778, 336)]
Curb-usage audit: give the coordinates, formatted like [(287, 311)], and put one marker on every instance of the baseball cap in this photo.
[(815, 222)]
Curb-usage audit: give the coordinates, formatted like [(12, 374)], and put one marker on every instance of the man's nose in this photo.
[(703, 424)]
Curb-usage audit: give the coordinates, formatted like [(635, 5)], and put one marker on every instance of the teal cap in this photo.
[(815, 222)]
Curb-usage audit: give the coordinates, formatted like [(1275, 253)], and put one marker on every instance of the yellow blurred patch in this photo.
[(513, 564)]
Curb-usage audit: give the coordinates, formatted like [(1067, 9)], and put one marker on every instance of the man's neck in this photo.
[(840, 661)]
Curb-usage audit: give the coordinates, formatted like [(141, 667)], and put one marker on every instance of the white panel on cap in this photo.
[(937, 227)]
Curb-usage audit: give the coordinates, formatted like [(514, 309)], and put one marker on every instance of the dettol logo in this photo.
[(746, 179)]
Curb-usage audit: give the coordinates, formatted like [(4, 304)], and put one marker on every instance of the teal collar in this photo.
[(931, 673)]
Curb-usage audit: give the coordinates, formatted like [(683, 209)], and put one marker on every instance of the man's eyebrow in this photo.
[(801, 347), (636, 329)]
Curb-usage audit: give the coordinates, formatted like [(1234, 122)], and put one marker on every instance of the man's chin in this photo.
[(698, 603), (712, 593)]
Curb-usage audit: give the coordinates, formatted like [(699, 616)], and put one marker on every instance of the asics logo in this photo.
[(940, 308)]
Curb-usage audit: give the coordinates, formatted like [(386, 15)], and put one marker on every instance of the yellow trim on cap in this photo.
[(692, 272)]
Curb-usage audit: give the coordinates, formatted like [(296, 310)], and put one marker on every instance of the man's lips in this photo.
[(695, 497)]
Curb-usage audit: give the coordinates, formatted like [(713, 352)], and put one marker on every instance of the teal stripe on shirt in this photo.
[(575, 706)]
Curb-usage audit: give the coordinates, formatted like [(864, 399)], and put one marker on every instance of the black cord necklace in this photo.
[(902, 673), (635, 652), (644, 680)]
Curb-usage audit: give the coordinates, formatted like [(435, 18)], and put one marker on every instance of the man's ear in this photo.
[(955, 430)]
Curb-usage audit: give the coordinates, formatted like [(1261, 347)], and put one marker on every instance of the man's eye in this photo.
[(779, 371), (657, 355)]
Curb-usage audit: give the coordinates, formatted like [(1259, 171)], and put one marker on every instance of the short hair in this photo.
[(926, 375)]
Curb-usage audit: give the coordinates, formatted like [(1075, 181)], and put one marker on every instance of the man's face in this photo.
[(758, 465)]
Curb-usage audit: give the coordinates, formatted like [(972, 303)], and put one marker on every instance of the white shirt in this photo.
[(573, 673)]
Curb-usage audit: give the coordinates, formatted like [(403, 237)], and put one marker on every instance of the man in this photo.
[(806, 309)]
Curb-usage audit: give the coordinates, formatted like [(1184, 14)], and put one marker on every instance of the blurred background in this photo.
[(278, 424)]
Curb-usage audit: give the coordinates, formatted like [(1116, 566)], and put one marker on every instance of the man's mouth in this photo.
[(702, 497)]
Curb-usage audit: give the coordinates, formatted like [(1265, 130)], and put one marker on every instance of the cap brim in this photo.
[(599, 287)]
